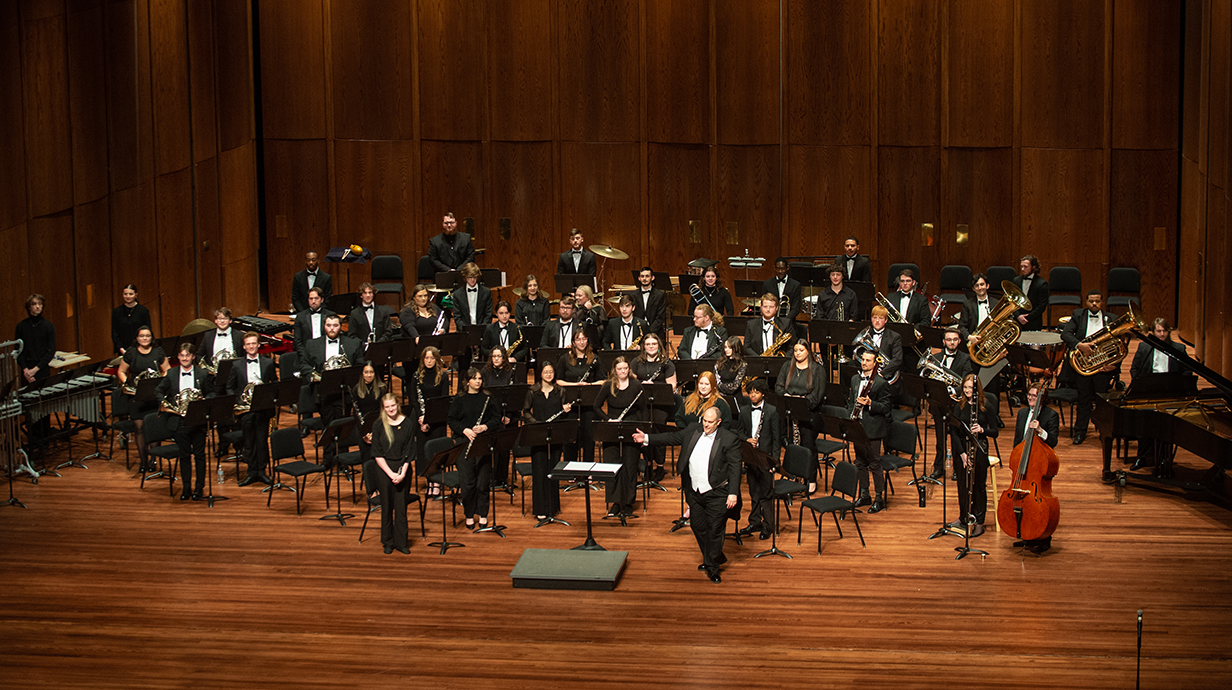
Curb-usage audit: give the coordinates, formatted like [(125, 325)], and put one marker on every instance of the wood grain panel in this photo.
[(519, 74), (522, 183), (232, 22), (297, 198), (908, 194), (169, 72), (44, 60), (202, 76), (88, 104), (173, 219), (749, 189), (370, 42), (15, 282), (980, 194), (1214, 160), (130, 122), (1063, 73), (1217, 305), (747, 65), (373, 197), (1191, 79), (1146, 73), (209, 248), (292, 69), (241, 282), (678, 71), (909, 73), (96, 292), (51, 238), (34, 10), (9, 15), (452, 74), (598, 57), (1144, 197), (981, 72), (1191, 288), (829, 198), (134, 249), (679, 181), (600, 195), (13, 208), (240, 234), (829, 72), (452, 179), (1064, 216)]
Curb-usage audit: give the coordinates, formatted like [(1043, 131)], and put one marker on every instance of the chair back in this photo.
[(1124, 280), (435, 446), (846, 480), (288, 366), (120, 404), (954, 277), (997, 274), (425, 272), (895, 270), (156, 428), (286, 443), (901, 438), (387, 268), (1065, 279), (796, 462)]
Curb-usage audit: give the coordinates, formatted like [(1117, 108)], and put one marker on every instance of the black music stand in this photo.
[(493, 442), (448, 280), (220, 410), (380, 354), (967, 522), (938, 395), (337, 382), (581, 397), (851, 431), (544, 434), (548, 354), (198, 414), (680, 322), (764, 367), (450, 344), (840, 334), (337, 430), (865, 291), (755, 458), (933, 337), (583, 472), (437, 464), (657, 395), (687, 370), (793, 408), (811, 277), (620, 433), (662, 279), (566, 283), (511, 399)]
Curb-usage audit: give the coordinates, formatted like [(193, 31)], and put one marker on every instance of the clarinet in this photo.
[(419, 393), (590, 368), (477, 421), (652, 377), (971, 466)]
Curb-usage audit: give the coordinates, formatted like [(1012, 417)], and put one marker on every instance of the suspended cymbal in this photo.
[(436, 289), (615, 300), (607, 251), (197, 326), (518, 291), (116, 362), (702, 263), (623, 288)]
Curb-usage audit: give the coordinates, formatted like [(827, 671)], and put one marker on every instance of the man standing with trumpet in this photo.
[(253, 370)]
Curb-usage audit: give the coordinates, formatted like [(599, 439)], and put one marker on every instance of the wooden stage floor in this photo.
[(106, 585)]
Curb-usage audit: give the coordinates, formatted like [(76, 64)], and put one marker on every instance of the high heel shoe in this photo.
[(470, 524)]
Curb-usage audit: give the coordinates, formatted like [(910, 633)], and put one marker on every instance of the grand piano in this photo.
[(1170, 408)]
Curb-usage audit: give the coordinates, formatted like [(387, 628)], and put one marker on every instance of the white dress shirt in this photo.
[(701, 344), (699, 463)]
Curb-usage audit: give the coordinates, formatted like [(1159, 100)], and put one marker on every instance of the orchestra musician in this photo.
[(953, 358), (558, 333), (889, 343), (544, 400), (317, 352), (729, 372), (38, 337), (421, 316), (649, 302), (503, 332), (222, 339), (450, 250), (393, 449), (366, 399), (253, 368), (578, 367), (653, 366), (472, 302), (370, 322), (874, 416), (578, 260), (1036, 289), (782, 285), (981, 419), (621, 396), (471, 414), (430, 381), (835, 295), (857, 266), (760, 425), (1149, 360), (712, 293), (533, 308), (590, 313), (910, 304), (1048, 429), (623, 330), (303, 282), (142, 356), (975, 310), (126, 319), (309, 323), (189, 439), (803, 377), (1086, 322), (760, 334), (704, 338), (498, 372)]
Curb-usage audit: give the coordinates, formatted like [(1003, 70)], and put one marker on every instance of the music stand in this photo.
[(566, 283), (810, 277), (657, 395), (662, 279), (437, 464), (794, 408), (448, 280), (764, 367), (380, 354), (851, 431), (583, 398), (511, 398), (933, 337), (687, 370), (680, 322), (543, 434), (967, 523), (333, 434), (755, 458), (620, 433), (491, 443), (865, 291), (450, 344), (198, 414), (583, 472), (220, 410)]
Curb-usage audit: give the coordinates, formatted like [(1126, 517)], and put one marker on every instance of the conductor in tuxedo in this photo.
[(1036, 289), (781, 285), (317, 352), (312, 276), (1084, 323), (189, 439), (370, 322), (578, 260), (649, 302), (709, 468), (1047, 428), (857, 266), (761, 426), (451, 249), (258, 369)]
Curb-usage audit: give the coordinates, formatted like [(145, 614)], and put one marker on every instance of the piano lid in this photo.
[(1183, 358)]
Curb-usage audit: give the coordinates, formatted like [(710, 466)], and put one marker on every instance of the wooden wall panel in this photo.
[(48, 238), (1216, 337), (1219, 104), (600, 186), (909, 73), (44, 60), (908, 194), (1146, 72), (678, 71), (980, 106), (451, 175), (679, 181), (134, 251), (232, 20), (169, 72), (1191, 96), (173, 220), (209, 247), (749, 190), (88, 104), (373, 197), (34, 10), (97, 293), (292, 69), (1144, 197), (12, 129), (829, 72), (371, 50), (15, 282), (130, 122), (452, 57), (201, 79), (1191, 287), (747, 67), (522, 174), (980, 194), (297, 201), (519, 34), (599, 93), (237, 220), (1063, 73), (829, 197), (1063, 213)]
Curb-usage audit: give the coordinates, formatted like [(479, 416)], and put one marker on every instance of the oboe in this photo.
[(477, 421)]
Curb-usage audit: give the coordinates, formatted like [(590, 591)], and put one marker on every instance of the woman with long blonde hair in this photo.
[(393, 450)]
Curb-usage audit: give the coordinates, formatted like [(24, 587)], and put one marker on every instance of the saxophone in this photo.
[(477, 421), (778, 343), (637, 342), (179, 404), (513, 348)]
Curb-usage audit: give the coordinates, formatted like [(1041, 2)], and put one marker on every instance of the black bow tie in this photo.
[(783, 279), (185, 373), (757, 408), (314, 311), (577, 251), (879, 332), (333, 342), (472, 289), (983, 301), (312, 273), (253, 360)]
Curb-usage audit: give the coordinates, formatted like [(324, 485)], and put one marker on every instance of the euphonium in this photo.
[(338, 361), (179, 404), (1107, 344), (130, 386), (244, 402), (211, 367), (894, 314), (999, 329), (934, 370)]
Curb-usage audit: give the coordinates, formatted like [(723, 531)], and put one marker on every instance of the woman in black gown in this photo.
[(431, 380), (145, 356), (420, 316), (578, 367), (498, 373), (393, 449), (653, 366), (533, 308), (711, 292), (543, 401), (803, 377), (729, 372), (621, 395), (366, 398), (981, 419), (126, 319)]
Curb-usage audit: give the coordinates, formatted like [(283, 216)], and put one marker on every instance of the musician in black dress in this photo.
[(871, 395), (498, 372), (370, 322), (837, 302), (253, 368), (803, 377), (857, 266), (760, 334), (503, 332), (430, 381), (189, 439), (590, 312), (624, 332), (761, 426), (471, 414), (144, 356), (953, 359), (578, 260), (393, 449), (729, 372), (653, 366), (544, 401), (649, 302), (126, 319), (579, 367), (366, 400), (981, 420), (621, 395), (783, 286), (420, 316), (711, 291), (533, 308)]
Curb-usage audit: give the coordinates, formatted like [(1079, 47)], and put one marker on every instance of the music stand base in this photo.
[(964, 550), (71, 463), (278, 485), (209, 500), (13, 502), (551, 520), (921, 480), (944, 530), (651, 484), (579, 485), (589, 545), (678, 524), (340, 516), (445, 545), (773, 551), (498, 529)]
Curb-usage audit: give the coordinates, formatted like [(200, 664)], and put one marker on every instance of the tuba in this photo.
[(895, 316), (338, 361), (933, 370), (244, 402), (211, 367), (999, 330), (179, 404), (1108, 346), (130, 386)]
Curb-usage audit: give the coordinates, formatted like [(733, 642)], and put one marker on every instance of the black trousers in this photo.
[(868, 460), (545, 493), (1087, 387), (942, 440), (191, 442), (393, 509), (255, 426), (475, 477), (761, 498), (622, 490), (979, 489), (330, 408), (708, 520)]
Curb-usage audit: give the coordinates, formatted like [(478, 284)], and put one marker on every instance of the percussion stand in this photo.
[(96, 391), (9, 413)]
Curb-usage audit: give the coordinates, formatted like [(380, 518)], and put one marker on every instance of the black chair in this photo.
[(374, 498), (1125, 281), (287, 443), (1064, 289), (957, 280), (845, 483), (157, 430), (827, 448), (446, 478), (796, 469), (347, 459), (387, 274), (895, 270), (425, 272), (119, 421), (309, 423), (997, 274), (901, 439)]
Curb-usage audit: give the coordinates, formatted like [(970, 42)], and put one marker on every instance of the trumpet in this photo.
[(895, 316)]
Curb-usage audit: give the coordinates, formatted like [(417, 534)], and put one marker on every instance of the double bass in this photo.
[(1027, 510)]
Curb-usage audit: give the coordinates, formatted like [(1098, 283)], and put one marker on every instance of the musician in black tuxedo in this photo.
[(190, 440), (504, 332), (622, 331), (558, 333), (1036, 289), (1149, 360), (953, 358), (782, 285), (875, 418), (317, 352), (704, 339), (370, 322), (578, 260), (912, 305), (222, 338), (472, 302), (310, 323), (258, 369), (38, 338), (709, 468), (450, 250), (1084, 323), (762, 333), (858, 267), (1048, 429), (649, 302), (761, 426), (975, 310), (889, 343), (835, 298), (312, 276)]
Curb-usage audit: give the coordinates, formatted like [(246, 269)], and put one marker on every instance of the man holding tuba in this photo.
[(254, 369), (333, 350), (1085, 323), (180, 385)]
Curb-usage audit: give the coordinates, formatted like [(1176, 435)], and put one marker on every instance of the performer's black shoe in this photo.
[(937, 474), (714, 576), (614, 510), (765, 534), (658, 474), (878, 505), (389, 549), (1079, 438), (250, 479), (747, 531), (198, 496), (404, 550), (1141, 463), (976, 530), (184, 495), (863, 500)]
